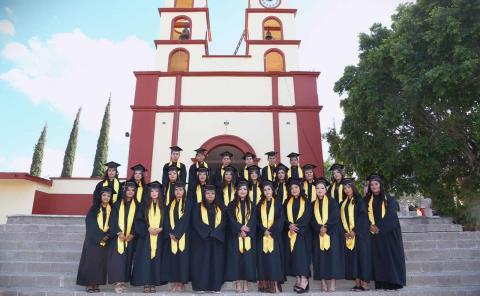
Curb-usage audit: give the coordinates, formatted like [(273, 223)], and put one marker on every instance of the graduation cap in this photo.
[(242, 183), (226, 153), (112, 164), (271, 153), (253, 168), (281, 167), (295, 181), (229, 168), (203, 170), (209, 188), (107, 190), (200, 150), (322, 180), (130, 184), (336, 166), (309, 167), (179, 184), (293, 155), (155, 185), (375, 177), (173, 168), (248, 154), (176, 148), (348, 181), (138, 167), (268, 184)]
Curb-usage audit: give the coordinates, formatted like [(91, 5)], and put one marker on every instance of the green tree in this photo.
[(412, 105), (102, 144), (36, 166), (69, 158)]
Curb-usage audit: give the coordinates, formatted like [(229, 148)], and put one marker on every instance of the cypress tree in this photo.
[(102, 144), (36, 166), (69, 158)]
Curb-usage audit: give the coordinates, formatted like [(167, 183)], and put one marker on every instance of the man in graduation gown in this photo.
[(138, 177), (386, 237), (175, 161), (226, 161), (335, 190), (268, 172), (200, 155), (249, 158), (208, 243), (295, 171), (309, 181), (109, 180)]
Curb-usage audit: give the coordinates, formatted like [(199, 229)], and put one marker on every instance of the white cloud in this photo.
[(70, 70), (8, 11), (7, 27)]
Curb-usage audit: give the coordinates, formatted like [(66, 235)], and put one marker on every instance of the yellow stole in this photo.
[(259, 194), (167, 196), (245, 173), (322, 220), (267, 222), (179, 167), (340, 191), (313, 198), (351, 219), (293, 237), (284, 191), (198, 192), (125, 229), (180, 244), (103, 226), (139, 192), (154, 218), (116, 187), (270, 174), (204, 212), (226, 198), (371, 217), (244, 243), (205, 164), (300, 172)]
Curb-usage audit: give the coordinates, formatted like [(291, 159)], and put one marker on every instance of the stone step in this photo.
[(43, 245), (39, 255), (441, 236), (441, 279), (424, 220), (46, 219), (442, 244), (441, 254), (421, 228), (459, 265), (32, 228)]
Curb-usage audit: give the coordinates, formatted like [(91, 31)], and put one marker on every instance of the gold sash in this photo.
[(167, 196), (179, 244), (293, 237), (284, 192), (351, 219), (121, 224), (340, 191), (270, 174), (313, 197), (322, 220), (116, 187), (300, 172), (244, 243), (259, 194), (371, 217), (245, 173), (204, 212), (139, 192), (103, 226), (199, 194), (154, 218), (267, 222), (227, 199)]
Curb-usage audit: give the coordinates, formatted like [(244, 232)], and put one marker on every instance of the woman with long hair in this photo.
[(241, 244), (254, 184), (196, 190), (281, 188), (226, 191), (335, 190), (309, 181), (110, 179), (138, 177), (169, 187)]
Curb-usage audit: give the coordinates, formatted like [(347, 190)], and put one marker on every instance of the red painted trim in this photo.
[(75, 178), (172, 26), (217, 108), (265, 58), (180, 42), (24, 176), (279, 22), (61, 204), (174, 52), (274, 42), (231, 140), (176, 111), (227, 73), (276, 119), (271, 10), (226, 56)]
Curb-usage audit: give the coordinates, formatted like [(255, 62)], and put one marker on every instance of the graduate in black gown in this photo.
[(249, 159), (196, 189), (386, 237), (269, 171), (226, 161), (335, 190), (109, 180), (254, 184), (201, 154), (175, 161), (169, 187), (92, 270), (226, 190), (138, 177), (281, 186), (295, 171), (358, 251), (176, 240), (270, 247), (149, 231), (309, 181), (298, 238), (209, 219), (241, 250), (122, 233), (328, 239)]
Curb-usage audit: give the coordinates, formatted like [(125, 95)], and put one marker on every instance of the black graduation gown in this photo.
[(219, 194), (92, 269), (119, 266), (309, 191), (182, 173), (387, 247), (192, 192), (208, 250), (218, 177), (358, 262), (265, 173), (97, 196), (146, 271), (243, 174), (270, 266), (294, 172), (144, 191), (297, 261), (241, 266), (192, 172), (335, 194), (279, 191), (171, 193), (328, 264), (253, 190), (176, 267)]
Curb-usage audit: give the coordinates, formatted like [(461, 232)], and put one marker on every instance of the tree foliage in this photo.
[(37, 159), (101, 153), (69, 158)]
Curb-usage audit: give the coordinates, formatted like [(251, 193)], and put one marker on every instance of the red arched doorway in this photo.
[(236, 145)]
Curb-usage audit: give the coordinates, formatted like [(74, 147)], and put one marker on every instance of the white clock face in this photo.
[(270, 3)]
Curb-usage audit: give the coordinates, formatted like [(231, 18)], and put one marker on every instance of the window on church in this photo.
[(274, 62), (272, 29), (179, 61), (181, 28), (183, 3)]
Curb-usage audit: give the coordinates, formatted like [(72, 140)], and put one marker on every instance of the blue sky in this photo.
[(57, 55)]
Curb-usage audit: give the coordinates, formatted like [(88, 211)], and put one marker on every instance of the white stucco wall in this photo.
[(286, 91), (199, 24), (162, 140), (255, 25), (288, 135), (196, 52), (73, 186), (166, 91), (256, 4), (289, 50)]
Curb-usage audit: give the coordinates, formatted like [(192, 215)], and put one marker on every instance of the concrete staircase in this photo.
[(39, 255)]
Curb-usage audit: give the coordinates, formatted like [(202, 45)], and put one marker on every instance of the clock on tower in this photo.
[(270, 3)]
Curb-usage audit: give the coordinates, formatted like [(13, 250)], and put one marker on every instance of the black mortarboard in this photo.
[(281, 167), (348, 181), (309, 167), (226, 153), (376, 177), (180, 184), (200, 150), (108, 190), (248, 154), (322, 180), (155, 184), (293, 154), (138, 167), (112, 164), (209, 188), (253, 168), (203, 170), (173, 168), (130, 184), (176, 148), (268, 183), (295, 181), (336, 166), (242, 183), (229, 168), (271, 153)]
